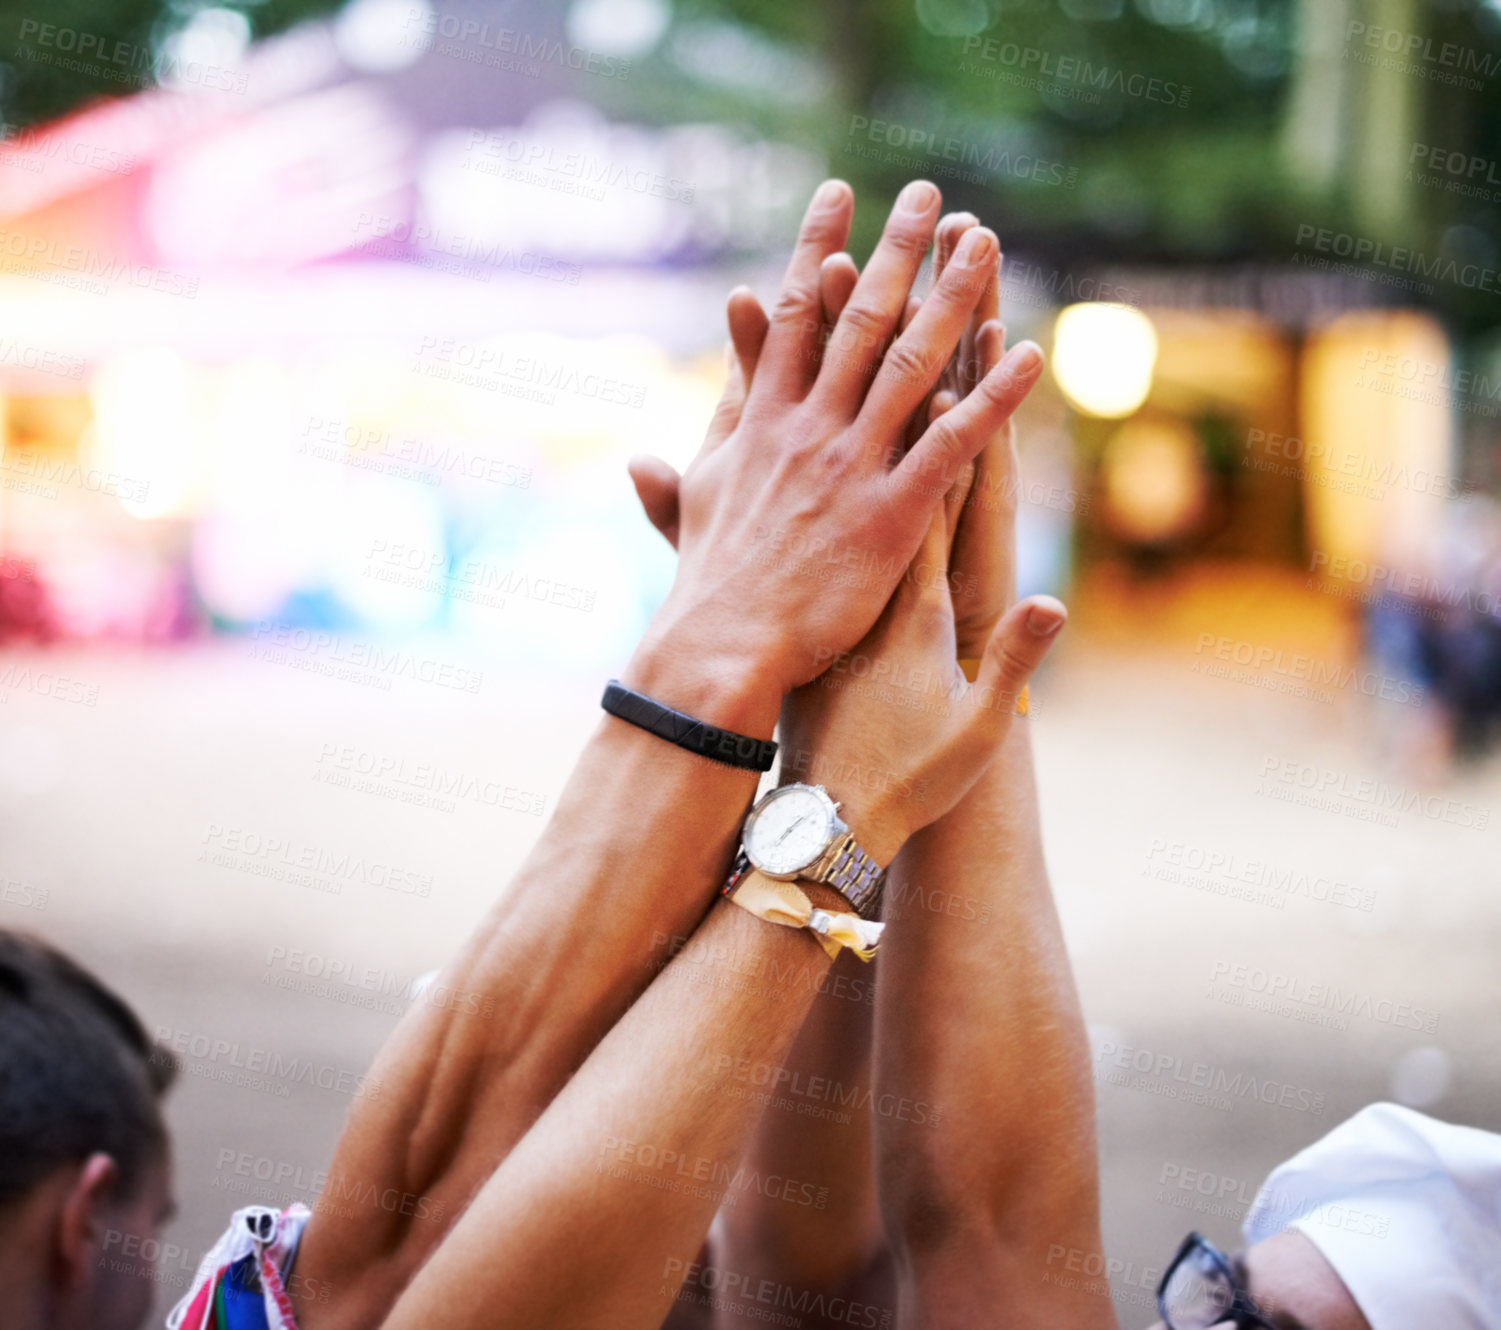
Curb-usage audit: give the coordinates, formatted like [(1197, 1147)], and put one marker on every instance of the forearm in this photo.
[(816, 1126), (957, 1032), (596, 1215), (641, 835), (977, 1014)]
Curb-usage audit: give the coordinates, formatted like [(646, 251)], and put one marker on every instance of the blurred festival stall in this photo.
[(305, 348), (330, 333)]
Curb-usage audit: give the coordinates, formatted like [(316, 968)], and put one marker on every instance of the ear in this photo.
[(82, 1222)]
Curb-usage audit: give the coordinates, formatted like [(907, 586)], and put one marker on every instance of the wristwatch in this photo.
[(796, 832)]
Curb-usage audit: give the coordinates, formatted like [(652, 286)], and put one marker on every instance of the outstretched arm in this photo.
[(816, 1125), (977, 1012), (987, 1160), (593, 1219), (643, 832), (989, 1204), (821, 1104)]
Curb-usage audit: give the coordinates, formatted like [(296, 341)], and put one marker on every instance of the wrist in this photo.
[(716, 682), (823, 897), (877, 825)]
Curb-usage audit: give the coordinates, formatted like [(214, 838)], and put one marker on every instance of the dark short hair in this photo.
[(78, 1073)]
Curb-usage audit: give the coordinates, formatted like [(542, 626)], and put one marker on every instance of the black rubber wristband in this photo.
[(734, 750)]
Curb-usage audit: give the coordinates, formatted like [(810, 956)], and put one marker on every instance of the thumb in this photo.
[(657, 487), (1016, 648)]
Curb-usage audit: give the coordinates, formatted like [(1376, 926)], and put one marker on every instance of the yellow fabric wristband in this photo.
[(786, 904)]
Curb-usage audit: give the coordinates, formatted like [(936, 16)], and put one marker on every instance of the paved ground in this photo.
[(156, 818)]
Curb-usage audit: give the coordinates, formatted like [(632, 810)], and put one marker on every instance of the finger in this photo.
[(748, 325), (731, 403), (983, 556), (871, 316), (657, 487), (959, 434), (990, 345), (934, 549), (990, 299), (987, 517), (926, 413), (950, 229), (926, 576), (918, 420), (790, 357), (836, 281), (1016, 648), (971, 366), (953, 507), (912, 366)]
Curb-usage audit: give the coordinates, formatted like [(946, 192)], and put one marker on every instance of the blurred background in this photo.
[(326, 331)]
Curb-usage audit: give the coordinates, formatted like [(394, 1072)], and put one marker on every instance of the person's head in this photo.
[(85, 1170), (1282, 1283), (1391, 1220)]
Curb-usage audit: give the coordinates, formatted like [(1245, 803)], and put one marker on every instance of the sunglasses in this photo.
[(1199, 1289)]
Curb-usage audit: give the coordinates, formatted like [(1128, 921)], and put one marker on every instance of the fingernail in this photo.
[(1045, 619), (919, 196), (978, 246), (1024, 357), (829, 194)]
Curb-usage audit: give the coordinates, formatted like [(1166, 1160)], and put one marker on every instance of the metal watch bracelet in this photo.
[(852, 873)]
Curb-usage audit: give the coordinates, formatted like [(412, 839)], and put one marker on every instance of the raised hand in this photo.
[(804, 471), (983, 564), (893, 728)]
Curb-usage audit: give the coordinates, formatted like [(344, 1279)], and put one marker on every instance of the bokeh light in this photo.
[(143, 429), (1103, 356)]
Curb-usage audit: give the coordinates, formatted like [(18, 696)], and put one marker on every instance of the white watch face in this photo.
[(790, 830)]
